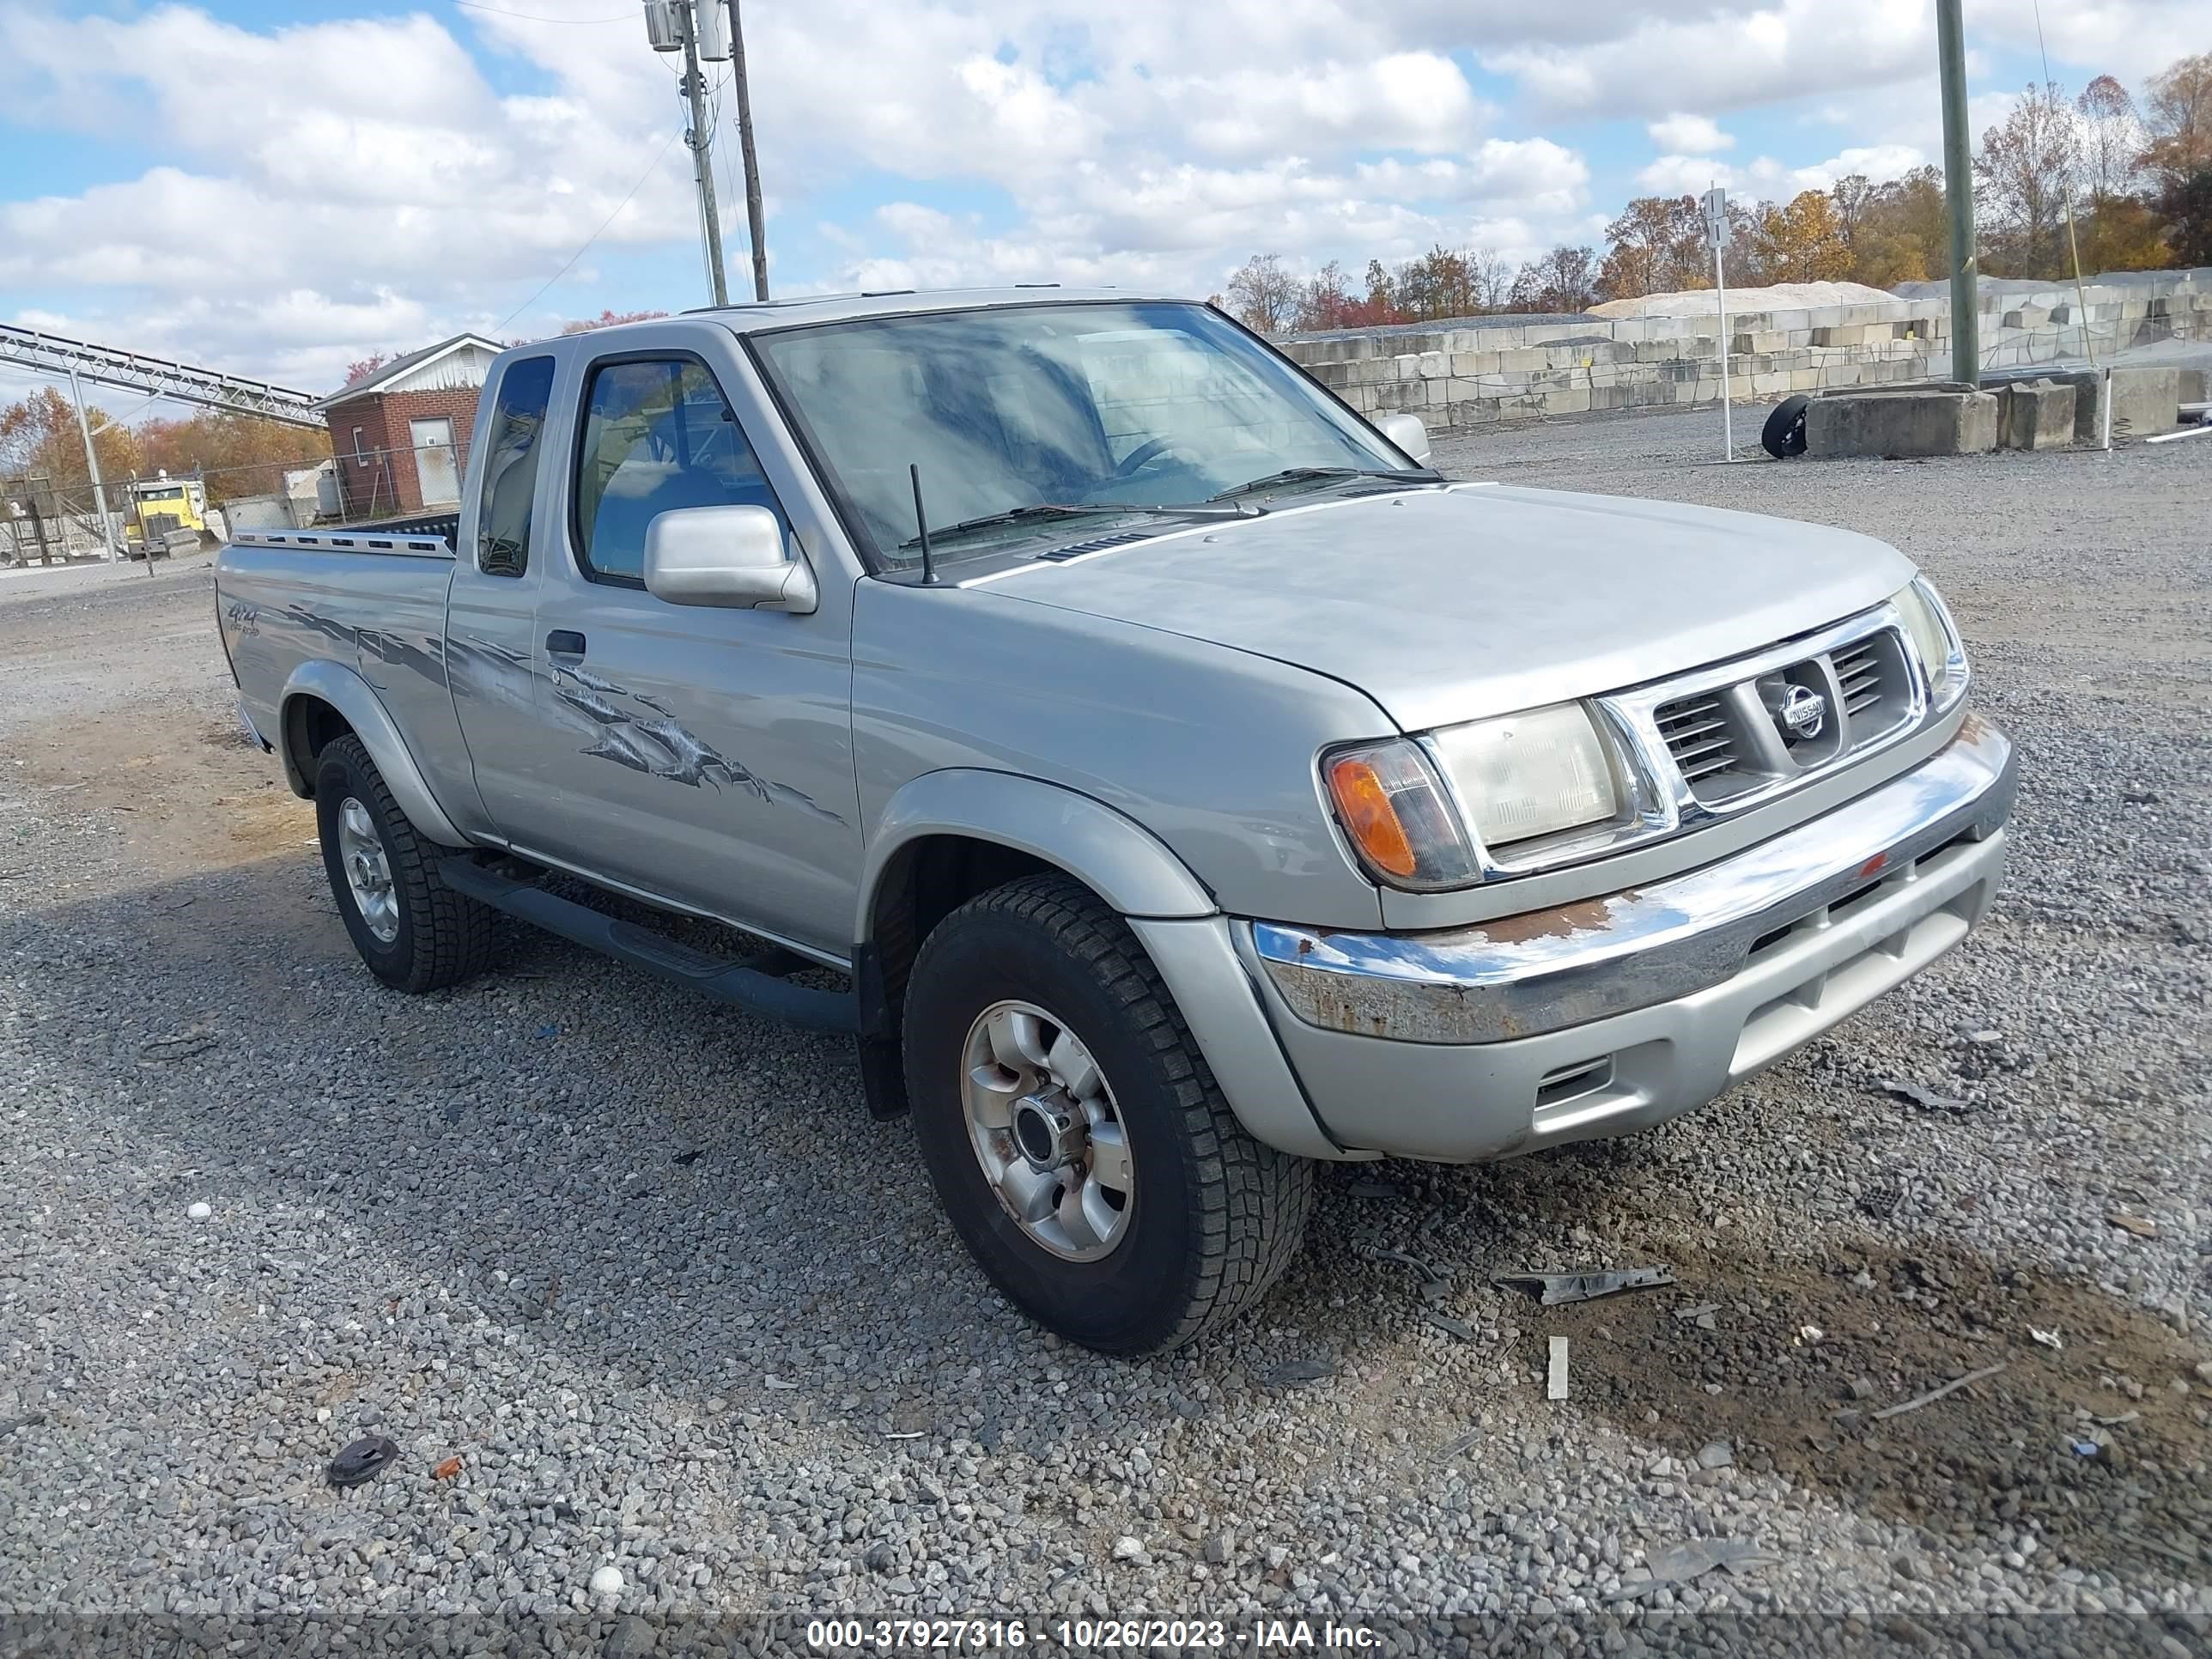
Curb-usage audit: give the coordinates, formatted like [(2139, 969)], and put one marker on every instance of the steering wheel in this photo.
[(1146, 453)]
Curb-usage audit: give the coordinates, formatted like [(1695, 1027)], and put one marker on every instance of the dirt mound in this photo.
[(2091, 1439), (1782, 296)]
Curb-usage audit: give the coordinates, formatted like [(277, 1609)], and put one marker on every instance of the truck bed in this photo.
[(432, 534), (370, 598)]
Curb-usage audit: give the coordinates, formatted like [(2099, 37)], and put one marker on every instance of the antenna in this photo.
[(921, 524)]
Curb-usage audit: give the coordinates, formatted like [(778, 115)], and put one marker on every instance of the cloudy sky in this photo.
[(277, 189)]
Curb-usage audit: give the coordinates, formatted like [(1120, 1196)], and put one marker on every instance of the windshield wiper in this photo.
[(1047, 510), (1303, 474)]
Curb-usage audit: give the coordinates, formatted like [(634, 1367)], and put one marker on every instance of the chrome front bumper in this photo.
[(1619, 1012)]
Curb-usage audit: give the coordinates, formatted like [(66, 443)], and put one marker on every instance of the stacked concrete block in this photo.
[(1908, 425), (2035, 414), (1478, 373), (2146, 401)]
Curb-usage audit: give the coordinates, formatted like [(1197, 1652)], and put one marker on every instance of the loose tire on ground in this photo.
[(1214, 1216), (1784, 435), (438, 936)]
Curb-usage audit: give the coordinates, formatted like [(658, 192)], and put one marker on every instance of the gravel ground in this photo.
[(635, 1284)]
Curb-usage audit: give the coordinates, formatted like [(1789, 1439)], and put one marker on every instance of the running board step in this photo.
[(741, 984)]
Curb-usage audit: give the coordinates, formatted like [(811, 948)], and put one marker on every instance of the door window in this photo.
[(510, 469), (658, 435)]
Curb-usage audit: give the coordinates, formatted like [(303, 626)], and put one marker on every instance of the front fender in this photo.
[(1174, 917), (353, 697), (1115, 856)]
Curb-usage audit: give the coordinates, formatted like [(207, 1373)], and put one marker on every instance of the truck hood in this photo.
[(1452, 604)]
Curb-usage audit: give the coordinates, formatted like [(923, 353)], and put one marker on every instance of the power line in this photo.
[(592, 238)]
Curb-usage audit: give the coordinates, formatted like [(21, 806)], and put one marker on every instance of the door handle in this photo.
[(565, 642)]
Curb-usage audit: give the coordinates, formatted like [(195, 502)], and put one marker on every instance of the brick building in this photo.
[(401, 435)]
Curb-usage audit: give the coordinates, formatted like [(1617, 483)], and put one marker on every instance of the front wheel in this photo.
[(1074, 1134)]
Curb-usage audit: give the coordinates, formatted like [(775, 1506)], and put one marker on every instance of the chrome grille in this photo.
[(1697, 734), (1736, 734), (1858, 670)]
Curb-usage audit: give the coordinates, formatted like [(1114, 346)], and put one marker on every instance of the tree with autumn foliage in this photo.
[(1895, 232), (611, 319), (2178, 156), (2022, 174), (39, 434), (1657, 246), (235, 454), (1800, 240)]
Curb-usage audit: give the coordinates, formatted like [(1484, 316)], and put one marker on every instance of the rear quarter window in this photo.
[(510, 467)]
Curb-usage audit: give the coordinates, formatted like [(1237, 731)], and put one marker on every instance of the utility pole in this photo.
[(1959, 192), (753, 215), (702, 140), (92, 464)]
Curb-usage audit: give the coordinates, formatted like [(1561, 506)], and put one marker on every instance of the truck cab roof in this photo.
[(747, 317)]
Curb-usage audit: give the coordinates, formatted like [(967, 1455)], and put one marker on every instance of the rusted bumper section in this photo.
[(1548, 971)]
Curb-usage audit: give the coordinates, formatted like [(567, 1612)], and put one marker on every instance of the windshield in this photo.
[(1105, 405)]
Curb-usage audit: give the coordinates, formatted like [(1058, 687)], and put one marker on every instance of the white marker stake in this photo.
[(1727, 411), (1557, 1389), (1717, 232)]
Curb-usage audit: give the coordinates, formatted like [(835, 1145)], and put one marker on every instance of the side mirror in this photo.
[(1408, 433), (731, 557)]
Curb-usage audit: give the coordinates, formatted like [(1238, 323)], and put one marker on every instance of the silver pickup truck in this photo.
[(1181, 781)]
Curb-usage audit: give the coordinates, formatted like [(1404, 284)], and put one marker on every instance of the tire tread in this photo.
[(1251, 1201), (452, 934)]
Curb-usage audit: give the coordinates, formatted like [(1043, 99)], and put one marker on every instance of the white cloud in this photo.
[(1407, 100), (324, 188), (1691, 135), (1877, 163), (1728, 59)]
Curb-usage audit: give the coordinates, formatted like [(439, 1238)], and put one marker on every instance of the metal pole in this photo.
[(92, 462), (1959, 192), (753, 215), (138, 512), (1728, 408), (702, 140)]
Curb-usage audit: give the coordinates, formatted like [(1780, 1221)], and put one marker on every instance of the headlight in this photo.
[(1397, 816), (1526, 775), (1936, 638), (1516, 779)]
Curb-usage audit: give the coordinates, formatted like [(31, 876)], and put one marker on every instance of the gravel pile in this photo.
[(666, 1331)]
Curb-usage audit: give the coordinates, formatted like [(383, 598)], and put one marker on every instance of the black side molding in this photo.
[(743, 984)]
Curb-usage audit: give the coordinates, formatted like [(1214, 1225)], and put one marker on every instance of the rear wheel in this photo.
[(1075, 1136), (413, 931)]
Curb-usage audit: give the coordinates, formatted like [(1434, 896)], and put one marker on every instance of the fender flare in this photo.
[(1118, 859), (354, 698), (1172, 915)]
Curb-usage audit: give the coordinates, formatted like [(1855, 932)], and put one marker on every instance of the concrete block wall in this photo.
[(1471, 373)]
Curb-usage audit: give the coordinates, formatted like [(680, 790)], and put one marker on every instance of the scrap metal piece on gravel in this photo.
[(363, 1460), (1552, 1289), (2140, 1226), (1924, 1097), (1291, 1371), (1457, 1444), (1376, 1253), (1676, 1565), (1374, 1187), (181, 1046), (1934, 1394)]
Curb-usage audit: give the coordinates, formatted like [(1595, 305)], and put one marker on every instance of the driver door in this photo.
[(710, 749)]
